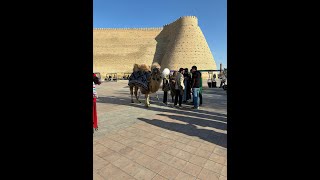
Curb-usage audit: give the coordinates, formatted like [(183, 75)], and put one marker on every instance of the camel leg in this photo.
[(136, 93), (131, 92), (147, 103)]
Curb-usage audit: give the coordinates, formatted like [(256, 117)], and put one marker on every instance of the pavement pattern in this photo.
[(160, 142)]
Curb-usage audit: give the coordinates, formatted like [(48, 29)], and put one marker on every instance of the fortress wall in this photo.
[(116, 50), (178, 44)]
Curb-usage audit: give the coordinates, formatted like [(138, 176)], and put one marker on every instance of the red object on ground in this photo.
[(95, 117)]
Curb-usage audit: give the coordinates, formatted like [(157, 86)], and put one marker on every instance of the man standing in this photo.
[(200, 92), (184, 97), (195, 84)]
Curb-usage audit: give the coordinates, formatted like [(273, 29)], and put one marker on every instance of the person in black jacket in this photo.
[(195, 85), (187, 80)]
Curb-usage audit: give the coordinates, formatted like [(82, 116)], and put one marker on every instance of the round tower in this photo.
[(187, 47)]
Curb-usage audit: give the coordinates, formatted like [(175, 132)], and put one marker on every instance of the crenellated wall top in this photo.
[(183, 20), (146, 29)]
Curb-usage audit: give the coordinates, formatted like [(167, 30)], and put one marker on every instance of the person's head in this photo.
[(186, 70), (181, 70), (174, 73), (194, 68), (96, 79), (165, 73)]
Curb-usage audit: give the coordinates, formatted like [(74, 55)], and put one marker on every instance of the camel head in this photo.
[(156, 78)]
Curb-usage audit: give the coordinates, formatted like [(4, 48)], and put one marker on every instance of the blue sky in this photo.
[(211, 14)]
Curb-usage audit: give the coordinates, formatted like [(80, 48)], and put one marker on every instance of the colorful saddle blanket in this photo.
[(140, 78)]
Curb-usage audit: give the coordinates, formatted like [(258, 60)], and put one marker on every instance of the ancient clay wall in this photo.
[(186, 45), (116, 50), (178, 44)]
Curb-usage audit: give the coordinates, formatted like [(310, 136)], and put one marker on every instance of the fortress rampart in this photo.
[(178, 44)]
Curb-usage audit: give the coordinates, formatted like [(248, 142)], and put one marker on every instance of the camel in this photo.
[(145, 78)]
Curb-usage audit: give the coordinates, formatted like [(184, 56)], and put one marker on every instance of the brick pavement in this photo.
[(159, 142)]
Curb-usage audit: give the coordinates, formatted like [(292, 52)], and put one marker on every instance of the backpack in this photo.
[(165, 85)]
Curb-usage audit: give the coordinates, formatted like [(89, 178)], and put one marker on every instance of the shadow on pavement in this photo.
[(191, 130), (198, 121), (188, 112)]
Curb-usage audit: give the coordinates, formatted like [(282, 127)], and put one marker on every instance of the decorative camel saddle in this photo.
[(140, 79), (145, 78)]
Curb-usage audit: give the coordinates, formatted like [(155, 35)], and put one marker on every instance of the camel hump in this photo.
[(145, 68), (141, 67), (135, 67)]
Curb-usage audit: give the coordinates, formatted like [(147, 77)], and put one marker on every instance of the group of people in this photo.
[(109, 78), (181, 85), (221, 76)]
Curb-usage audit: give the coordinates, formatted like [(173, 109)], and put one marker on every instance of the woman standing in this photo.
[(165, 85), (95, 96), (172, 82), (179, 87)]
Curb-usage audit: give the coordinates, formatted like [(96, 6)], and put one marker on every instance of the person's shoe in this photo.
[(195, 108)]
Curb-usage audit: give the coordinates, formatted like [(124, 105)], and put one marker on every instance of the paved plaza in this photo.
[(160, 142)]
